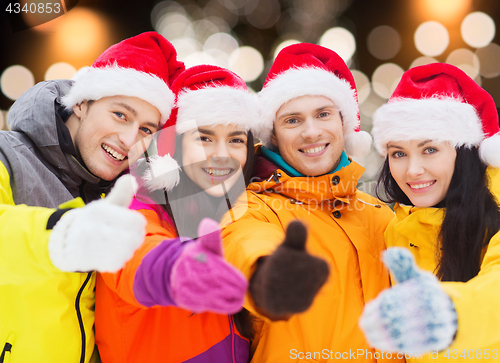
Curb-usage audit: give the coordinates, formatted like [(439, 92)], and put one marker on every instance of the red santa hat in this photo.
[(440, 102), (311, 70), (142, 66), (207, 95)]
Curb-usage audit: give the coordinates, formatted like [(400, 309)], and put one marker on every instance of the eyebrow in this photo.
[(212, 133), (399, 147), (424, 142), (327, 106), (299, 113), (204, 131), (124, 105), (152, 124), (289, 114)]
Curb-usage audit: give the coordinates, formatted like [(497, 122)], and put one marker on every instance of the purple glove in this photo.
[(201, 280)]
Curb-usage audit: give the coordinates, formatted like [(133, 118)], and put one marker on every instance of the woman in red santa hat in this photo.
[(441, 138), (178, 300)]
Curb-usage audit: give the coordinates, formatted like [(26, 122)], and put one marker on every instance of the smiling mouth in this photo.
[(421, 186), (113, 153), (313, 150), (217, 172)]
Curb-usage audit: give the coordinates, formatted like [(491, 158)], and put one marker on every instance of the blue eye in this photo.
[(292, 121), (119, 114), (398, 154), (323, 114), (430, 150), (146, 130)]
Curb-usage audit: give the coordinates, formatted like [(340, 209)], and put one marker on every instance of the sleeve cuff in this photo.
[(55, 217)]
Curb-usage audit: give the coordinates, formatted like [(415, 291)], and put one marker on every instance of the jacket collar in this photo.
[(427, 215), (340, 185)]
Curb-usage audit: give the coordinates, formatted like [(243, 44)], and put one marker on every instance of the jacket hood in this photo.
[(35, 116)]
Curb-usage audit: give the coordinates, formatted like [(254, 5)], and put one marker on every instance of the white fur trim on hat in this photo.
[(163, 173), (297, 82), (489, 151), (212, 106), (95, 83), (436, 119)]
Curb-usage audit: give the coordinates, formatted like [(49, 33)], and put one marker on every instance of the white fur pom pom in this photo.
[(163, 173), (489, 151), (357, 144)]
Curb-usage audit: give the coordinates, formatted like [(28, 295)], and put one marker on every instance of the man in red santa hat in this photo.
[(309, 286), (72, 139)]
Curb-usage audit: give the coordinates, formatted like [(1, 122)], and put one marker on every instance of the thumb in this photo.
[(209, 233), (401, 263), (296, 236), (123, 191)]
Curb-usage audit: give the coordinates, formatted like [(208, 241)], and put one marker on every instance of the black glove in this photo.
[(287, 281)]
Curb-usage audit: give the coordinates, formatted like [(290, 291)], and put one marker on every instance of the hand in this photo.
[(101, 236), (201, 280), (287, 281), (414, 316)]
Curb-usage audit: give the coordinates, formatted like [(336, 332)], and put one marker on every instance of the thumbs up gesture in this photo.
[(201, 280), (414, 316), (101, 236), (287, 281)]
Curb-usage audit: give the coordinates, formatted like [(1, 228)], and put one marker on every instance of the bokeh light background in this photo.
[(379, 40)]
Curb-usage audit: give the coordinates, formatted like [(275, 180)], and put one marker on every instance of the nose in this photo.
[(311, 129), (128, 136), (415, 167), (220, 152)]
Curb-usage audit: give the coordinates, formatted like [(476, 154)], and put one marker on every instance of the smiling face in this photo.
[(308, 133), (212, 155), (112, 132), (423, 169)]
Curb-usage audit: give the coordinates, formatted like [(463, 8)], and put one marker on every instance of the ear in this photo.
[(78, 109), (274, 140)]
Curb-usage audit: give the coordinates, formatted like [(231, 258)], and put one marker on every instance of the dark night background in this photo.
[(31, 48)]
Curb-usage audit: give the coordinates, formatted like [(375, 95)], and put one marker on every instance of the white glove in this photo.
[(101, 236)]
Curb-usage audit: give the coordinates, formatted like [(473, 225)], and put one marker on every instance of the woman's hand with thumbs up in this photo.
[(414, 316)]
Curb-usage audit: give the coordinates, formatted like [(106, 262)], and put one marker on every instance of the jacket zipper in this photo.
[(79, 315), (231, 322), (7, 347)]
